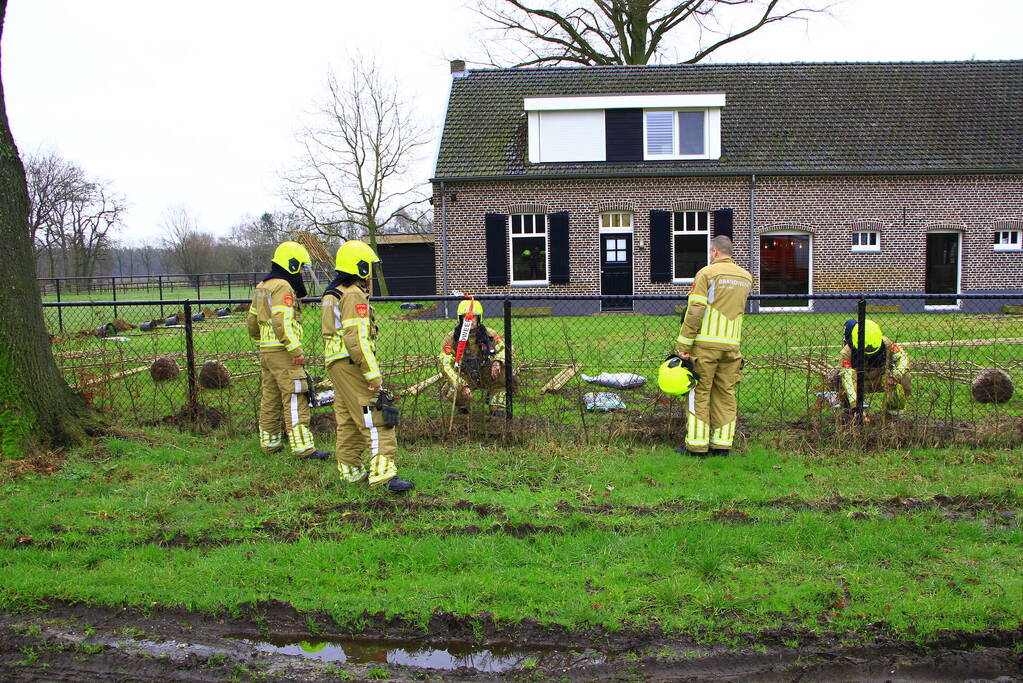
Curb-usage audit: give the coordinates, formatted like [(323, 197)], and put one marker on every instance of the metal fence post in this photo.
[(159, 286), (190, 357), (508, 368), (60, 309), (860, 358), (113, 287), (229, 285), (198, 290)]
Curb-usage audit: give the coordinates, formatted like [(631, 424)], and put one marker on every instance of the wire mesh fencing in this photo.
[(575, 370)]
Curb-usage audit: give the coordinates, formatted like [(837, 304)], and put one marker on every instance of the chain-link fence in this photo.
[(575, 370)]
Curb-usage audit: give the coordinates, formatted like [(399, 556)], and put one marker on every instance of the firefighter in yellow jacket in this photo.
[(710, 336), (275, 323), (482, 365), (362, 407), (885, 367)]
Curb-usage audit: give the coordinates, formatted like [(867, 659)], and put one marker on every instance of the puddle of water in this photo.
[(411, 653)]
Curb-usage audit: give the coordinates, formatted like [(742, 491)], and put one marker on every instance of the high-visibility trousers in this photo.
[(712, 408), (360, 429), (283, 400), (494, 390), (894, 396)]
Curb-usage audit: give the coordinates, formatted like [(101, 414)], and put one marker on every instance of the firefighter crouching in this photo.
[(886, 368), (482, 367), (366, 417), (275, 323)]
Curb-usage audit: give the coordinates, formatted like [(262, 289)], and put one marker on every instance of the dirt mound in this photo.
[(241, 308), (992, 386), (121, 326), (214, 375), (323, 423), (164, 369), (198, 418), (209, 312)]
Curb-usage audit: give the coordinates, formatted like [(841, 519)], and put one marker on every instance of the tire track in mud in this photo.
[(387, 516)]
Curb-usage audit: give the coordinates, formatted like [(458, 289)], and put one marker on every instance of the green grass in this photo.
[(601, 535), (776, 387)]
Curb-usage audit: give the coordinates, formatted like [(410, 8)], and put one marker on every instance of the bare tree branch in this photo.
[(624, 31)]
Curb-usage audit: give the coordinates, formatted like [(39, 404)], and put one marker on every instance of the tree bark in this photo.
[(37, 408)]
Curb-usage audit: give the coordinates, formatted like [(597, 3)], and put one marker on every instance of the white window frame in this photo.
[(866, 248), (710, 228), (546, 248), (711, 135), (1015, 245), (959, 273), (809, 276), (622, 228)]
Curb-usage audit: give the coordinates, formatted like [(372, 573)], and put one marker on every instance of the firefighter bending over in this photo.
[(886, 367), (482, 366)]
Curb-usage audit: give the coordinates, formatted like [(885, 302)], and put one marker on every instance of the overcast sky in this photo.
[(197, 101)]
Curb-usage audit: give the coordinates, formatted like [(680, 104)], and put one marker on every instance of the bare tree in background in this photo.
[(70, 214), (625, 31), (256, 238), (361, 138), (189, 250)]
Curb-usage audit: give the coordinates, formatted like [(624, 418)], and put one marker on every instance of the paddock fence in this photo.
[(576, 370)]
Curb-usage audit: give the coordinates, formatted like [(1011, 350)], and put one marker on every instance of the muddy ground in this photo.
[(63, 642)]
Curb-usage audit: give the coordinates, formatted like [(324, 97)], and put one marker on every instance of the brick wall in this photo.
[(828, 206)]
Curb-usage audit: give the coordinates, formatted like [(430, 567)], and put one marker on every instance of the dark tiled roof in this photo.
[(871, 117)]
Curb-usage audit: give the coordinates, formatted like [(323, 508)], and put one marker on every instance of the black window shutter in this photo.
[(497, 248), (660, 246), (723, 223), (623, 134), (557, 226)]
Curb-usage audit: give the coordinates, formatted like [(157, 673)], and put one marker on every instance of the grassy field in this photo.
[(786, 355), (903, 542)]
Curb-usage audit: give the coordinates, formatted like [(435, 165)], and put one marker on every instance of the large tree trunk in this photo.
[(381, 280), (37, 408)]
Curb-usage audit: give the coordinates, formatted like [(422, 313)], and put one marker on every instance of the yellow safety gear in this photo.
[(355, 257), (872, 337), (676, 376), (290, 256), (477, 308)]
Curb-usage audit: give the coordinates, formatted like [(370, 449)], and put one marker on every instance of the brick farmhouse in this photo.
[(833, 177)]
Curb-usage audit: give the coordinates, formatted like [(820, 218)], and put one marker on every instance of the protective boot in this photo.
[(316, 455), (682, 450), (718, 451), (396, 485)]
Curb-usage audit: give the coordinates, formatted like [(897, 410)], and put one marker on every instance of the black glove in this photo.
[(385, 404), (310, 393)]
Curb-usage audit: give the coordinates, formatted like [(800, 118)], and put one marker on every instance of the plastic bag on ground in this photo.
[(603, 401), (616, 380)]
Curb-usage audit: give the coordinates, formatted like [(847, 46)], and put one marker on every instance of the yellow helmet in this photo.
[(676, 376), (290, 256), (477, 308), (355, 258), (872, 337)]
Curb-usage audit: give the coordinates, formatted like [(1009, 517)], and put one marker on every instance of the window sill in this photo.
[(683, 281), (678, 157), (866, 250), (1007, 247), (530, 283)]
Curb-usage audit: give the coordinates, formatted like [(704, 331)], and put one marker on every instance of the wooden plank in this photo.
[(561, 379), (932, 344), (93, 381), (416, 388)]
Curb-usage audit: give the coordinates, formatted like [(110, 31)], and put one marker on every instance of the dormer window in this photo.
[(679, 126), (674, 134)]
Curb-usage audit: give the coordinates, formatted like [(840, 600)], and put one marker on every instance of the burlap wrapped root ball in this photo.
[(323, 423), (992, 386), (164, 370), (214, 375)]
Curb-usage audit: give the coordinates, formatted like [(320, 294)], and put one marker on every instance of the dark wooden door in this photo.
[(616, 270), (942, 267)]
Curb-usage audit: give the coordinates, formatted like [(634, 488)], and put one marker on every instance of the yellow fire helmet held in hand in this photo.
[(355, 257), (676, 376), (477, 308), (872, 337), (290, 256)]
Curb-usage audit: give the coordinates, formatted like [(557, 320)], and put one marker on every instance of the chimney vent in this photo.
[(458, 68)]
